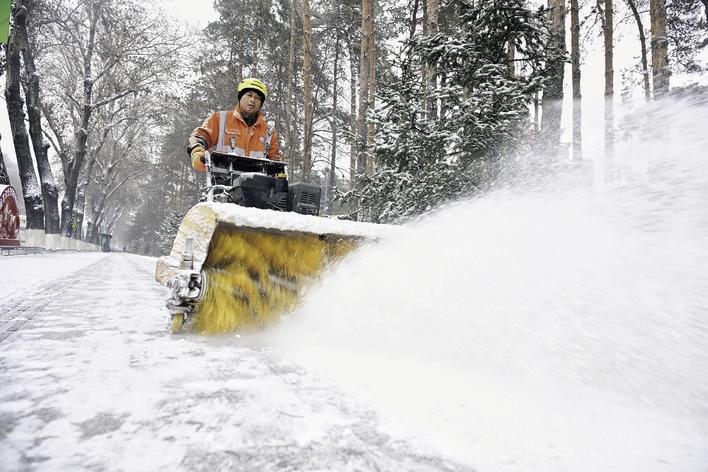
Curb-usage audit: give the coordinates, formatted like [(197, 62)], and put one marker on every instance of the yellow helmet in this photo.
[(252, 84)]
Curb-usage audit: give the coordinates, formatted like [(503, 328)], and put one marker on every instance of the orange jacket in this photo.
[(238, 136)]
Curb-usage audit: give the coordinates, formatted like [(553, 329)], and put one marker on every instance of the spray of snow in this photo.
[(551, 327)]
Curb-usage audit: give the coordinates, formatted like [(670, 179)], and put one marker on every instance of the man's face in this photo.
[(250, 103)]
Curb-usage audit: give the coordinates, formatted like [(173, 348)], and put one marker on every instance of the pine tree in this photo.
[(424, 159), (167, 232)]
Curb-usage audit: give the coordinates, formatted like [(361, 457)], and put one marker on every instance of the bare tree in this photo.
[(114, 172), (108, 43), (31, 85), (31, 192)]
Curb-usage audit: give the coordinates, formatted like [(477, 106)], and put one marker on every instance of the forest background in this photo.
[(393, 107)]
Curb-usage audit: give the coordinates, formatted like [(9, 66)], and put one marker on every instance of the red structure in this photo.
[(9, 217)]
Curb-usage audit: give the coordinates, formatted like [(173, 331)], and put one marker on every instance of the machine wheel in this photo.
[(177, 322)]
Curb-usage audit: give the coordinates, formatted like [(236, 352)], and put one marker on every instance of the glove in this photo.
[(198, 158)]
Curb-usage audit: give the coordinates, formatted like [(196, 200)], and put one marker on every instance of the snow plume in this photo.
[(551, 327)]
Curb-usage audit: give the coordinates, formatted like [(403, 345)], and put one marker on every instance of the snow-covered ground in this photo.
[(557, 326), (91, 379), (22, 275)]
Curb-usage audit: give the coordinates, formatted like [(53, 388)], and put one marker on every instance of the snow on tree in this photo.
[(168, 230), (426, 157)]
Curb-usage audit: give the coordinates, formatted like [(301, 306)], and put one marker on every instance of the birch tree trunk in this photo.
[(553, 93), (575, 67), (15, 109), (659, 48), (643, 45), (307, 90), (50, 191)]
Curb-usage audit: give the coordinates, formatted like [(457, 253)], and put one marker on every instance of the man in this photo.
[(244, 131)]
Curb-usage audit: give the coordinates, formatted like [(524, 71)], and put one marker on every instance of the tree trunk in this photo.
[(414, 20), (372, 84), (659, 48), (608, 33), (536, 111), (291, 88), (431, 72), (79, 209), (643, 44), (15, 110), (511, 57), (307, 90), (81, 138), (553, 93), (575, 65), (50, 191), (352, 116), (364, 70), (335, 112), (4, 177)]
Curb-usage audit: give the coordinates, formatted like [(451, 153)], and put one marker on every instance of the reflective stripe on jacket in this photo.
[(238, 137)]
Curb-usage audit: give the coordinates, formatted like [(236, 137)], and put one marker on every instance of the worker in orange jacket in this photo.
[(243, 131)]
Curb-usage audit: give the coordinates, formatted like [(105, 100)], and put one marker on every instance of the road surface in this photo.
[(91, 379)]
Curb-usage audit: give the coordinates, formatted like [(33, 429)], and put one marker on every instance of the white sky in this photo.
[(197, 13)]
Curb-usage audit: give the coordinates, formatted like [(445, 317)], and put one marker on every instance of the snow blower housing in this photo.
[(258, 183)]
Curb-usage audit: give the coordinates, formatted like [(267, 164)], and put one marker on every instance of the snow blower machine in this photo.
[(244, 254)]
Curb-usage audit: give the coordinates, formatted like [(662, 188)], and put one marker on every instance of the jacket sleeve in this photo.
[(206, 135), (274, 150)]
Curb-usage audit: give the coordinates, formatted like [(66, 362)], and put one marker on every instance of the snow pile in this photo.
[(553, 329)]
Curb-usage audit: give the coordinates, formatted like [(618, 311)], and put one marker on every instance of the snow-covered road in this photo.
[(90, 379)]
